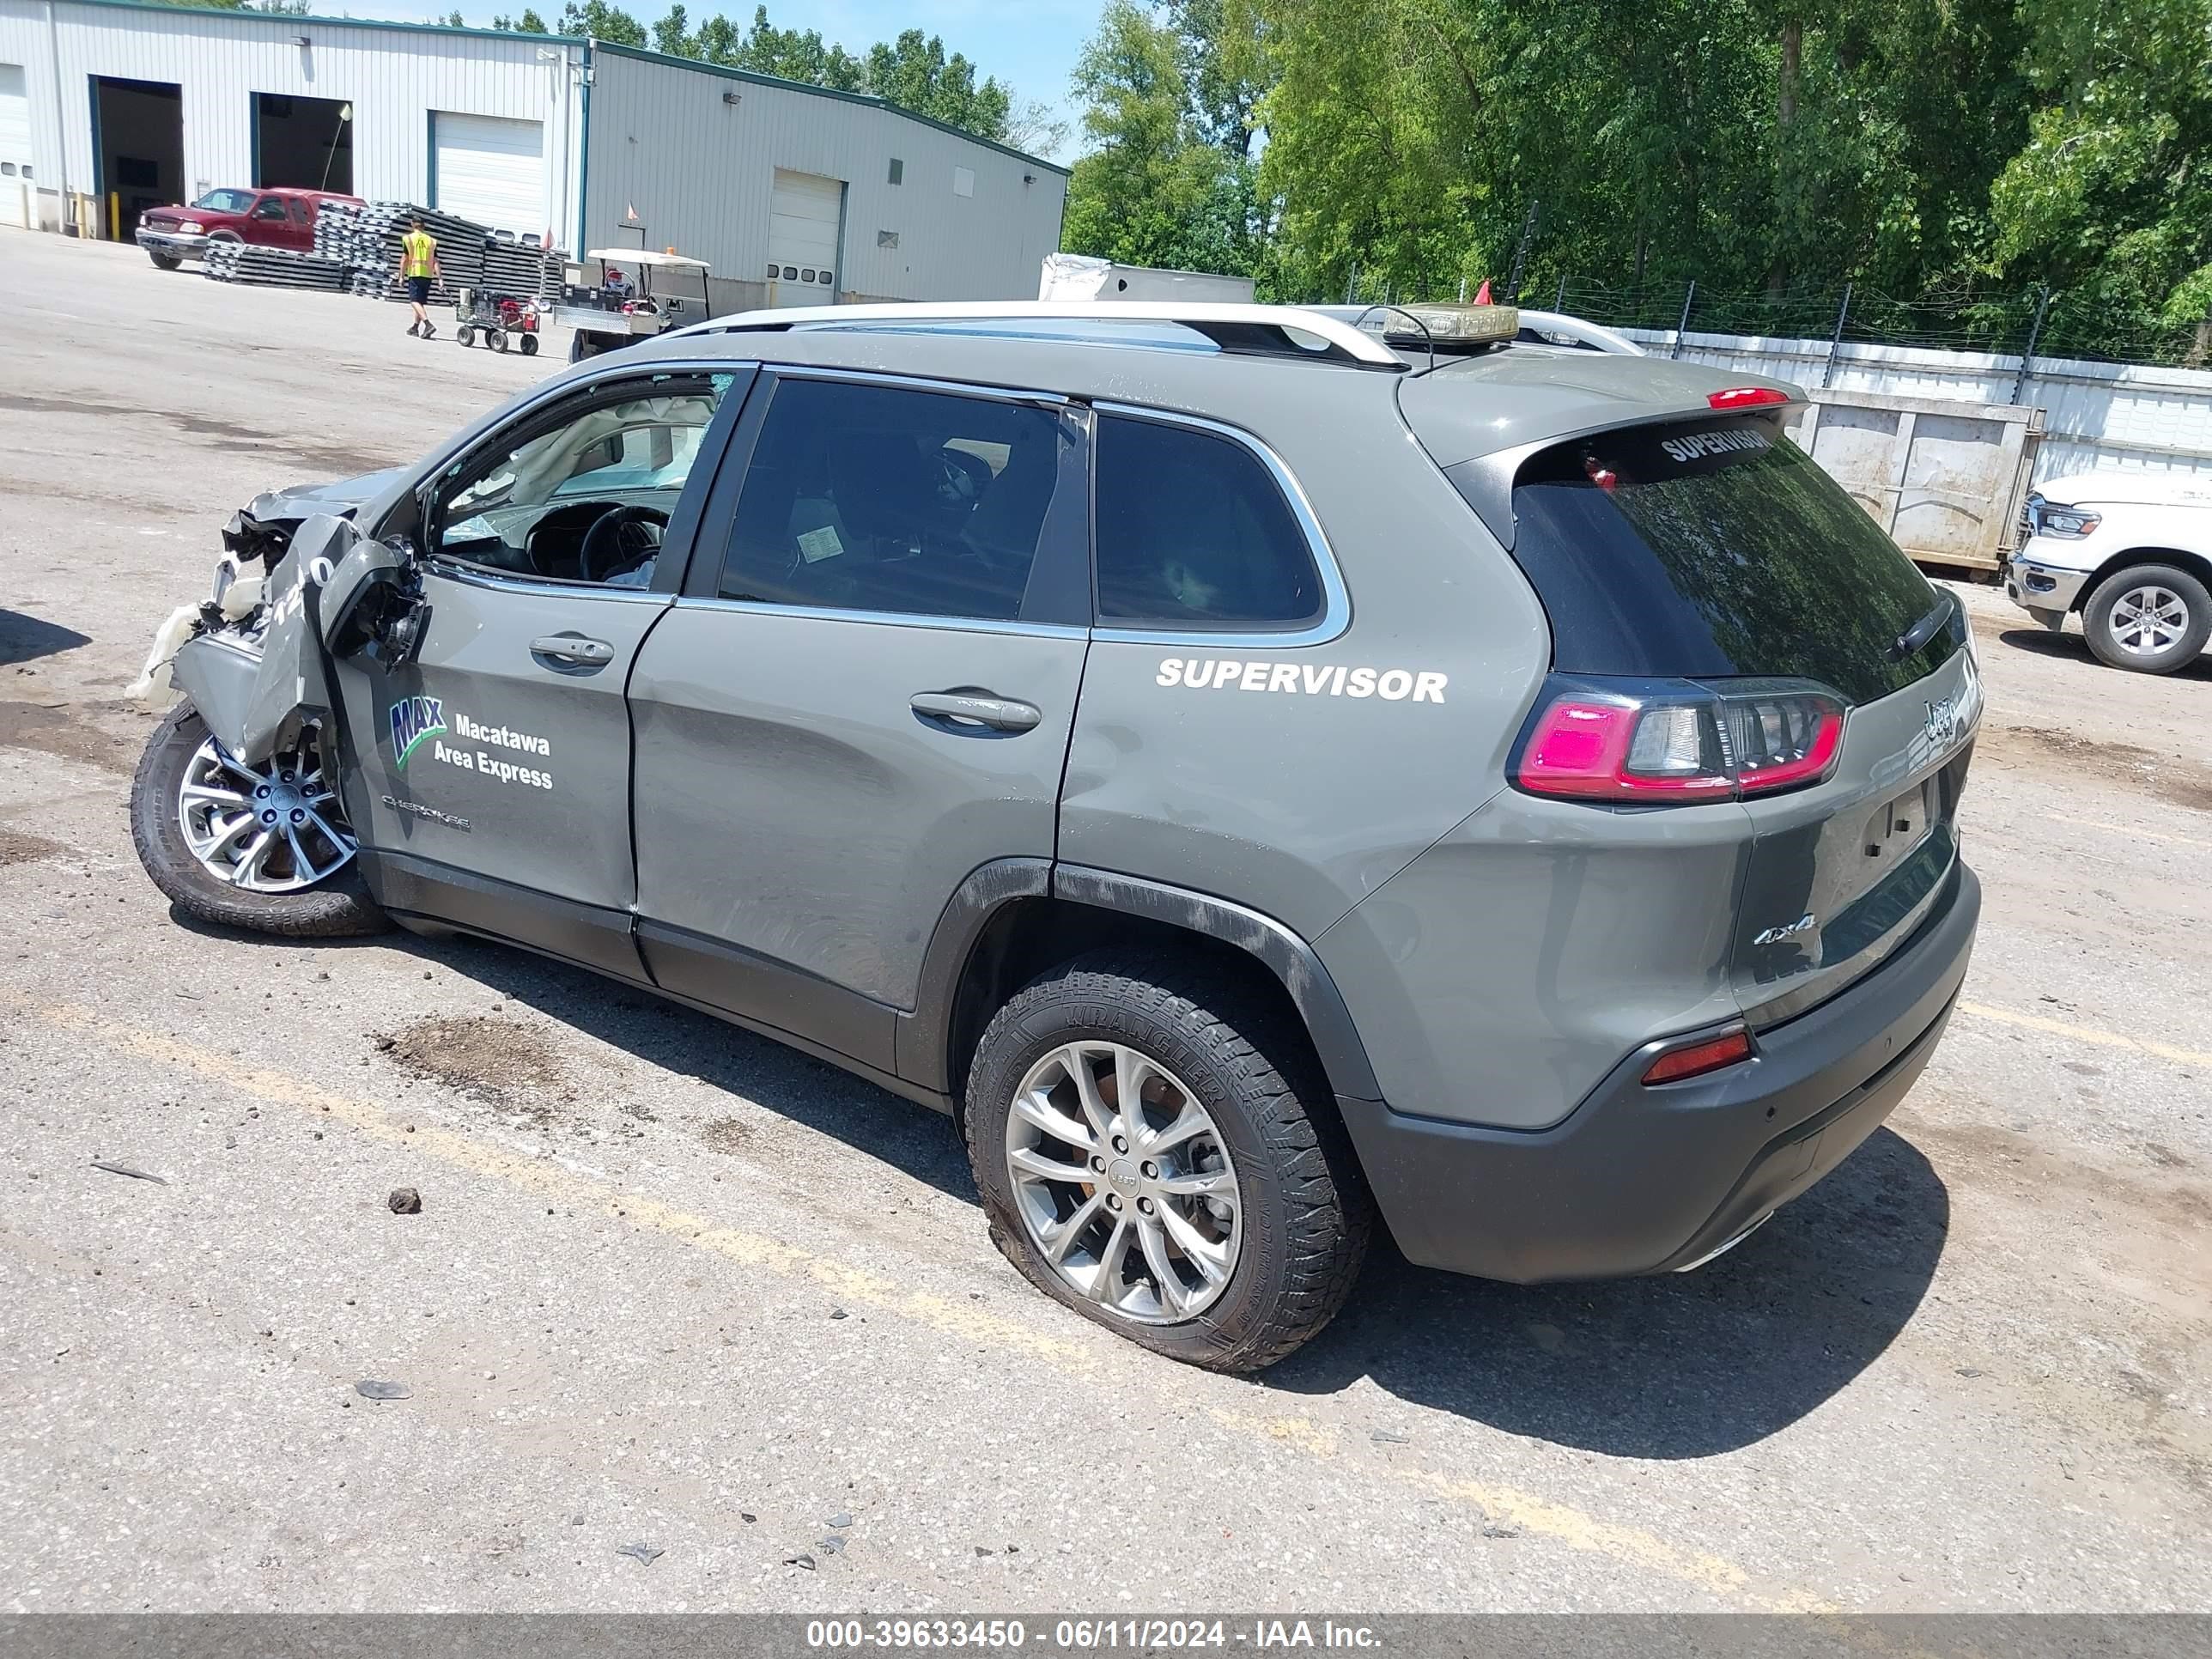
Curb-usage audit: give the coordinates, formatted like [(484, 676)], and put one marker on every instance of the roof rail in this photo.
[(1249, 329)]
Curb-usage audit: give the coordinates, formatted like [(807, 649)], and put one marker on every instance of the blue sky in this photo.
[(1030, 44)]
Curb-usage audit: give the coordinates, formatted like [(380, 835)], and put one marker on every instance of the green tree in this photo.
[(1153, 190), (672, 35), (529, 23), (602, 21), (914, 73), (2109, 196)]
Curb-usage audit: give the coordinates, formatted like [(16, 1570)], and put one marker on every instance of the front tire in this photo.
[(2148, 619), (201, 823), (164, 261), (1223, 1222)]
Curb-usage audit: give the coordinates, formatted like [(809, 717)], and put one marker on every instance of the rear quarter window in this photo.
[(1715, 549), (1194, 534)]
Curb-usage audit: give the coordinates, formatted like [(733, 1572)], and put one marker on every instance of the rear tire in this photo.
[(496, 339), (466, 337), (335, 908), (530, 345), (1200, 1038), (2147, 619)]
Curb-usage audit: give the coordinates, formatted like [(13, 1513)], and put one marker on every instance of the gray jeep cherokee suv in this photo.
[(1251, 771)]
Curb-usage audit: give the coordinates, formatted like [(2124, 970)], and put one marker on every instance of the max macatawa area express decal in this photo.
[(417, 721)]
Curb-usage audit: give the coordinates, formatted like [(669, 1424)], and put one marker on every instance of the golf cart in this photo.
[(638, 293)]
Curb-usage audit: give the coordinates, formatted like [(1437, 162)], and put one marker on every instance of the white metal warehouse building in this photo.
[(108, 107)]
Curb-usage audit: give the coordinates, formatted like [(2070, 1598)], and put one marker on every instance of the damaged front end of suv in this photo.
[(237, 799), (297, 578)]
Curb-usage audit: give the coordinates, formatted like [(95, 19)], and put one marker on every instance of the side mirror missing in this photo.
[(372, 603)]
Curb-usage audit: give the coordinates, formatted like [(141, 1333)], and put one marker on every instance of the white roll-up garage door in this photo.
[(15, 185), (490, 169), (804, 213)]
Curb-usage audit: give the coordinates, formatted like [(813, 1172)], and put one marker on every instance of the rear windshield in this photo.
[(1716, 548)]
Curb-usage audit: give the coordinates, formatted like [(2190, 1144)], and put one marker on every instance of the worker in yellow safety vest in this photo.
[(420, 249)]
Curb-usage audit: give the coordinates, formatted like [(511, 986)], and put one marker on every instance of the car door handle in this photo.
[(572, 647), (954, 711)]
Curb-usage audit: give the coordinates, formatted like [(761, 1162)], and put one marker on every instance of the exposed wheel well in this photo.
[(1028, 936), (2195, 563)]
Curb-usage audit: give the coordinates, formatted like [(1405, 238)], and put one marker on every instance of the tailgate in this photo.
[(1842, 874)]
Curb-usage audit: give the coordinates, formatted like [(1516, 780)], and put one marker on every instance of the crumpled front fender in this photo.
[(217, 671), (257, 701)]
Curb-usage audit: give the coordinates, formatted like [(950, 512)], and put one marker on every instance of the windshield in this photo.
[(225, 201), (1716, 548), (645, 444)]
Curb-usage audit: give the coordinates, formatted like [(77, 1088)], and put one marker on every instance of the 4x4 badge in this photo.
[(1776, 935)]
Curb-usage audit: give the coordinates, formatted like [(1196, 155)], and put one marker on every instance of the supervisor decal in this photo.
[(1311, 680), (1721, 442)]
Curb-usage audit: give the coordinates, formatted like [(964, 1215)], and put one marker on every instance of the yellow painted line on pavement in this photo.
[(2132, 830), (2088, 1034), (1498, 1504)]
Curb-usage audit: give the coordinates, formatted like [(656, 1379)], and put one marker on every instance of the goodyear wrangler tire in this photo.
[(1223, 1221), (197, 818)]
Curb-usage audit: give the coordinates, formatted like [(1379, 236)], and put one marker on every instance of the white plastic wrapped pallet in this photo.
[(1079, 277)]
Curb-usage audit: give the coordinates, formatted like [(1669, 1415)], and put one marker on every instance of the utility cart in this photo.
[(636, 294), (501, 319)]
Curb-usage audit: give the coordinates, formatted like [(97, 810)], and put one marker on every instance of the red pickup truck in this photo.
[(272, 218)]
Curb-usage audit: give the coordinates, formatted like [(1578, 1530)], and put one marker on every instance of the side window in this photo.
[(1192, 533), (877, 498), (585, 494), (298, 212), (269, 207)]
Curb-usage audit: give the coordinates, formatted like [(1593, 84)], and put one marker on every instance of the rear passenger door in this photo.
[(864, 692)]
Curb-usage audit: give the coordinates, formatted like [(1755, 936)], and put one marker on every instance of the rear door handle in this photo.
[(572, 647), (955, 711)]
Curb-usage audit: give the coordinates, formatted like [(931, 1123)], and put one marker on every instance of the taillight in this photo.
[(1696, 1059), (1667, 741), (1747, 397)]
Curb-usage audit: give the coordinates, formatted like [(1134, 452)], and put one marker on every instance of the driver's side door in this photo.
[(496, 765)]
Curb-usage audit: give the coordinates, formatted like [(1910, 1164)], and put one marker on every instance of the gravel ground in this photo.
[(672, 1285)]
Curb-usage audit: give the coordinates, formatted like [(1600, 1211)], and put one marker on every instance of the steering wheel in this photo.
[(961, 478), (620, 539)]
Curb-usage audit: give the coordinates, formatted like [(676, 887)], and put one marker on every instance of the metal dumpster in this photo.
[(1946, 478)]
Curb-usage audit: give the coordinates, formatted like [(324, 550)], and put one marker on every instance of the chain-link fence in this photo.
[(2037, 321), (2041, 322)]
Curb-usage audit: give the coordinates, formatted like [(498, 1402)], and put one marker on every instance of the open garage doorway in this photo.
[(305, 143), (138, 136)]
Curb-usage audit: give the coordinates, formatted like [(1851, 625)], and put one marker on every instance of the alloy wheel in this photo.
[(1124, 1182), (2148, 619), (276, 828)]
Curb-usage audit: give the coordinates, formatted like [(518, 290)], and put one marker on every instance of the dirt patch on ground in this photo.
[(228, 436), (2030, 1169), (66, 732), (498, 1061), (18, 847), (2185, 783), (725, 1134)]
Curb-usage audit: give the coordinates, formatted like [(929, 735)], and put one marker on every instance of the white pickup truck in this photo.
[(2132, 553)]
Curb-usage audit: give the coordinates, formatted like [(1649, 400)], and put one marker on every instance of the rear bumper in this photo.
[(168, 242), (1642, 1180)]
